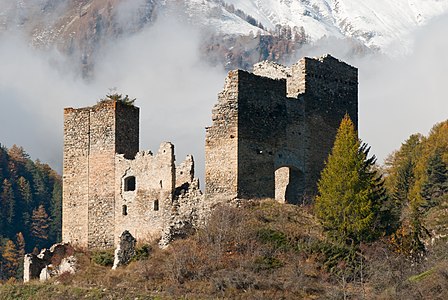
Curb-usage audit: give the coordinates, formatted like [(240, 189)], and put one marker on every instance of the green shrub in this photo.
[(103, 258), (142, 253), (267, 263), (273, 237)]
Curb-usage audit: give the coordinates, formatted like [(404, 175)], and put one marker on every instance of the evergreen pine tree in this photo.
[(350, 191), (7, 206), (3, 164), (435, 188), (20, 243), (25, 203), (10, 260), (56, 213), (40, 226)]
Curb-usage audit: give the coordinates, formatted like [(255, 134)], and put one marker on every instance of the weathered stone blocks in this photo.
[(270, 135), (109, 186), (272, 130)]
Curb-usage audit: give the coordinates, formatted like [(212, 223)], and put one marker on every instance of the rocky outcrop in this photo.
[(125, 250), (49, 263)]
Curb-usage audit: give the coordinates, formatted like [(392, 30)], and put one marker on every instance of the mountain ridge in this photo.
[(81, 28)]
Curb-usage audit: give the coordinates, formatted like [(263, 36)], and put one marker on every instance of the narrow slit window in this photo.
[(129, 184), (125, 210), (156, 205)]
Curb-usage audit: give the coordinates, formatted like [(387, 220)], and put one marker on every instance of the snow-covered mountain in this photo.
[(237, 33), (376, 23), (144, 48)]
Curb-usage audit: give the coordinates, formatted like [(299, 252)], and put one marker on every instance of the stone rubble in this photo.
[(49, 263)]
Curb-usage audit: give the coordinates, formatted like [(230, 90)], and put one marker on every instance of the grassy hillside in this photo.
[(263, 250)]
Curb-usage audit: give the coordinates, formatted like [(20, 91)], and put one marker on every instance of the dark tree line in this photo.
[(30, 207)]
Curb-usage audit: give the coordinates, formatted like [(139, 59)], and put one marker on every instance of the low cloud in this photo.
[(398, 96), (406, 95), (175, 89), (160, 66), (32, 95)]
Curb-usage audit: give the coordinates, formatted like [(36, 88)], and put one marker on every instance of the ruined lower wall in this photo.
[(221, 144), (143, 210), (165, 200)]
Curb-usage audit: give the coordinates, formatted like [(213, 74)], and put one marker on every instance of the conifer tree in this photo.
[(10, 259), (350, 191), (39, 226), (56, 213), (3, 163), (435, 188), (20, 243), (417, 182), (25, 202), (7, 205)]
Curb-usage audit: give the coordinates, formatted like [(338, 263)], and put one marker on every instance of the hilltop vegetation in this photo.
[(263, 250), (396, 249)]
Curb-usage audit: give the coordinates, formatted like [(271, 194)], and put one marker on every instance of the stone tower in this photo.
[(272, 130), (92, 138)]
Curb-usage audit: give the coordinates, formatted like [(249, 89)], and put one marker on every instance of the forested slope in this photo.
[(30, 207)]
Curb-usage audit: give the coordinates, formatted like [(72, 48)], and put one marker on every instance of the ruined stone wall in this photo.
[(189, 210), (92, 138), (331, 92), (221, 144), (143, 211), (75, 174), (262, 123), (185, 171), (285, 118)]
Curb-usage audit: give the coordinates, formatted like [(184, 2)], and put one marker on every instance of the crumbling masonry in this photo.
[(273, 129), (109, 186), (271, 133)]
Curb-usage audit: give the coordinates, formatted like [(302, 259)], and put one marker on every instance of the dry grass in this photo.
[(263, 250)]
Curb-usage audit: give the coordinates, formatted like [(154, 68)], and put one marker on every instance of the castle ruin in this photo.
[(271, 133), (273, 128), (109, 186)]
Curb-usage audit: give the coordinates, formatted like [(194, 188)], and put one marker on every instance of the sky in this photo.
[(161, 66)]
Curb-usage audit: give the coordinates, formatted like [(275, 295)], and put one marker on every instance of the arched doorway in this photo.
[(289, 185)]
